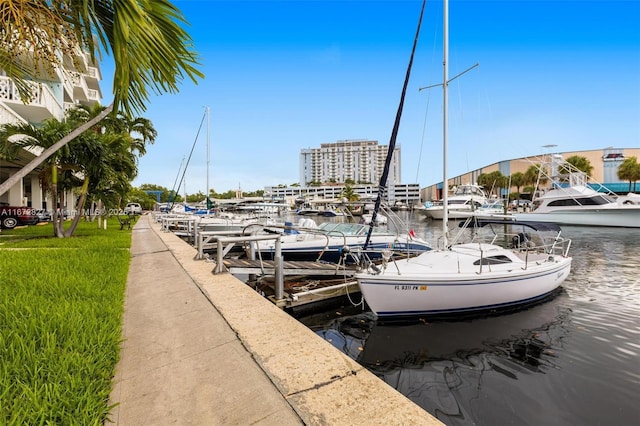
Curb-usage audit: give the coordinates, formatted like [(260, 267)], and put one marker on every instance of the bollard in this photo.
[(219, 256), (252, 256), (278, 270)]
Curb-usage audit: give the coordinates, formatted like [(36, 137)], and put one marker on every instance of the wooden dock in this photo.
[(307, 285), (267, 267)]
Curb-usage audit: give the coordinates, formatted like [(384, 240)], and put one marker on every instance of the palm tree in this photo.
[(105, 157), (630, 170), (535, 176), (26, 135), (8, 150), (494, 180), (518, 180), (577, 162), (348, 193), (150, 48)]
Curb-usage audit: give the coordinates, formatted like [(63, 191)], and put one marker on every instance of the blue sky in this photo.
[(285, 75)]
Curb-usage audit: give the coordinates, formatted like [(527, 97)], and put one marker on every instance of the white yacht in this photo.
[(571, 201), (465, 199)]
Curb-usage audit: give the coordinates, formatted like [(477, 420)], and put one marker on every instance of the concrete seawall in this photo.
[(206, 349)]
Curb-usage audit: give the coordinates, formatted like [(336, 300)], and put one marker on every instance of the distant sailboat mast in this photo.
[(208, 155)]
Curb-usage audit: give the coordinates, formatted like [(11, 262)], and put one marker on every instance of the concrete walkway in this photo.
[(204, 349)]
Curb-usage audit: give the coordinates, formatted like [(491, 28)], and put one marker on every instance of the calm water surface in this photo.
[(572, 360)]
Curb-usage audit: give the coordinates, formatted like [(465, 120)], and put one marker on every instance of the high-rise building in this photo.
[(75, 83), (361, 161)]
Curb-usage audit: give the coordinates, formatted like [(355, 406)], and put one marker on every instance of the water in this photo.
[(572, 360)]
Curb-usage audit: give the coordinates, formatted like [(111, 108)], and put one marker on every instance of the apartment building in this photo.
[(360, 160), (51, 97)]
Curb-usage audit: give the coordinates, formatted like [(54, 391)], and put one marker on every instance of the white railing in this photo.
[(41, 95), (93, 73), (93, 95), (47, 99), (8, 90)]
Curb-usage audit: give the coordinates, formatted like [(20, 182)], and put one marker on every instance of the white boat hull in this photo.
[(415, 286), (625, 216), (437, 213)]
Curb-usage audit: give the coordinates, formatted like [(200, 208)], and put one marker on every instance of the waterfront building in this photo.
[(605, 164), (398, 194), (360, 160), (75, 83)]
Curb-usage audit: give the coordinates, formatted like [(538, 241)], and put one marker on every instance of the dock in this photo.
[(306, 285), (294, 286)]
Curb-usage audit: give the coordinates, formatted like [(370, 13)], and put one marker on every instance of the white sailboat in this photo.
[(476, 275)]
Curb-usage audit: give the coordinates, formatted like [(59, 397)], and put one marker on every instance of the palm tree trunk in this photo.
[(79, 208), (6, 185), (57, 219)]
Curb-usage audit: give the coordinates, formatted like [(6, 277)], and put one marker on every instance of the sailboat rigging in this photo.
[(184, 170), (394, 134)]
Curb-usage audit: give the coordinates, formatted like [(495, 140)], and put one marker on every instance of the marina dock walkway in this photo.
[(204, 349)]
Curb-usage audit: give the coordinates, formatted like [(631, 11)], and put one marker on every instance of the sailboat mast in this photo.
[(445, 104), (394, 134), (208, 155)]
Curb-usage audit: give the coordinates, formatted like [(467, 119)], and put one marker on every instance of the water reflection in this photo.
[(574, 359), (443, 365)]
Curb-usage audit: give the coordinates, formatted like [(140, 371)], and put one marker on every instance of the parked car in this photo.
[(12, 216), (133, 208), (43, 215)]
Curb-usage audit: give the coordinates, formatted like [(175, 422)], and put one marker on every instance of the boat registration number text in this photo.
[(410, 287)]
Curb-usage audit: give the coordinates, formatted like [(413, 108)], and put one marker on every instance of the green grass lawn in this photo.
[(61, 306)]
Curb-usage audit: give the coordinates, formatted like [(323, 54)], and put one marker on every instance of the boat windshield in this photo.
[(348, 229), (342, 228), (468, 190), (597, 200)]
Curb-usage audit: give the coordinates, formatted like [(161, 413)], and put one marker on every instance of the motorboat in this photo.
[(465, 199), (491, 208), (226, 222), (332, 212), (572, 201), (490, 264), (340, 242)]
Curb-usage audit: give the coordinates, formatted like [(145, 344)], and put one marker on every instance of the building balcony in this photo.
[(42, 105), (93, 77)]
